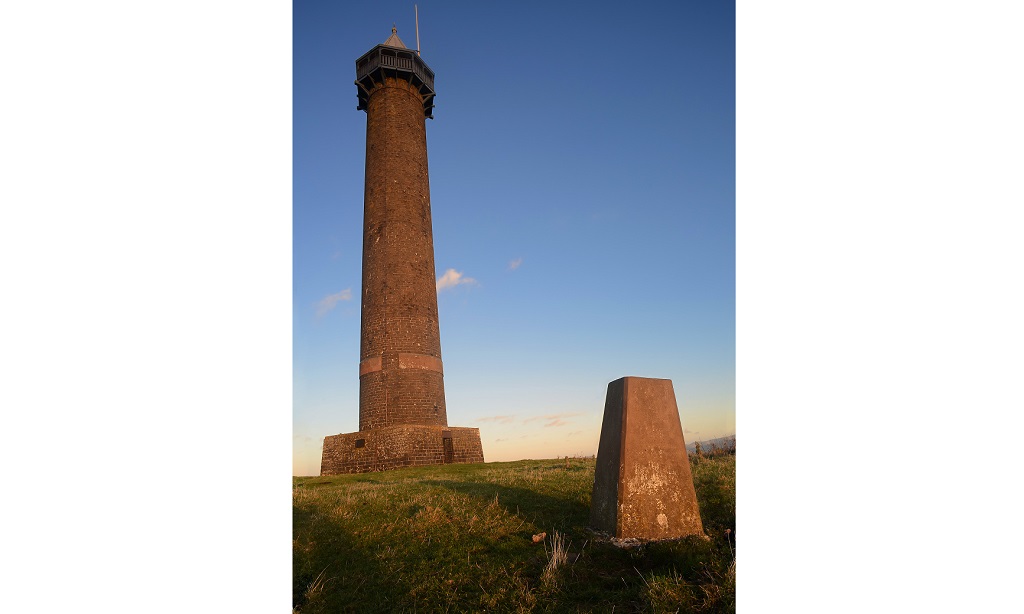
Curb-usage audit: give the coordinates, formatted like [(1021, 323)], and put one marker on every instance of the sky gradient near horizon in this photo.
[(582, 174)]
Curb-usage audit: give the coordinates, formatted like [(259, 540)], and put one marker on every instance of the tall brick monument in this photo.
[(403, 420)]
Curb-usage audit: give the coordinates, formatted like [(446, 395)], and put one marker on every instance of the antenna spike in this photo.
[(417, 8)]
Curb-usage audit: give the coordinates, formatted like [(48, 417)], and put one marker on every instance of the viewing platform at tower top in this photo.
[(393, 59)]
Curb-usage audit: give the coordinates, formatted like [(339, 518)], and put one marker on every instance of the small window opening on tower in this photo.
[(360, 443)]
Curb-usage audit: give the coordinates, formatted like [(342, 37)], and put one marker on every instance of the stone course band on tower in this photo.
[(403, 419)]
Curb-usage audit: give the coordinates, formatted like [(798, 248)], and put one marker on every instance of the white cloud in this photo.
[(452, 278), (513, 265), (328, 302)]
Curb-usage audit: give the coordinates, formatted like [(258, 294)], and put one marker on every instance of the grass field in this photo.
[(459, 538)]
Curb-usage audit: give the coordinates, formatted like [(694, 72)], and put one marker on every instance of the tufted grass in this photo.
[(458, 538)]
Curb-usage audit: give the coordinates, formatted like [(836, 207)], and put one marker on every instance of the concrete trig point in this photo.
[(643, 487), (403, 420)]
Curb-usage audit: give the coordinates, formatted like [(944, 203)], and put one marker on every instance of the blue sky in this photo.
[(582, 173)]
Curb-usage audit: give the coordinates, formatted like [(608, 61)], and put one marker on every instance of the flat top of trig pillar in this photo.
[(636, 377)]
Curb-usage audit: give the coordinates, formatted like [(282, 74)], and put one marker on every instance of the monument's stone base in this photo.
[(403, 445), (642, 483)]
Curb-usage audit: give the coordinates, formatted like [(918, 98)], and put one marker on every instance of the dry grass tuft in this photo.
[(558, 554), (316, 588)]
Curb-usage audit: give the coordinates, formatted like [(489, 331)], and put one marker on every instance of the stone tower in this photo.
[(402, 415)]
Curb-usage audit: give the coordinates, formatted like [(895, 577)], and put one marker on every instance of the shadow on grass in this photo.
[(544, 511), (597, 568), (331, 572)]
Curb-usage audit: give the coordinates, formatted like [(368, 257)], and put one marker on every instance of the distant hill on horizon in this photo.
[(728, 441)]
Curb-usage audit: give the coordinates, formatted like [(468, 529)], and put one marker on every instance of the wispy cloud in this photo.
[(514, 264), (452, 278), (304, 441), (498, 419), (327, 303), (553, 419)]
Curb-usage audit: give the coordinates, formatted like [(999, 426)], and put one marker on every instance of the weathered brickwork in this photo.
[(394, 447), (403, 421), (399, 298), (400, 396)]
